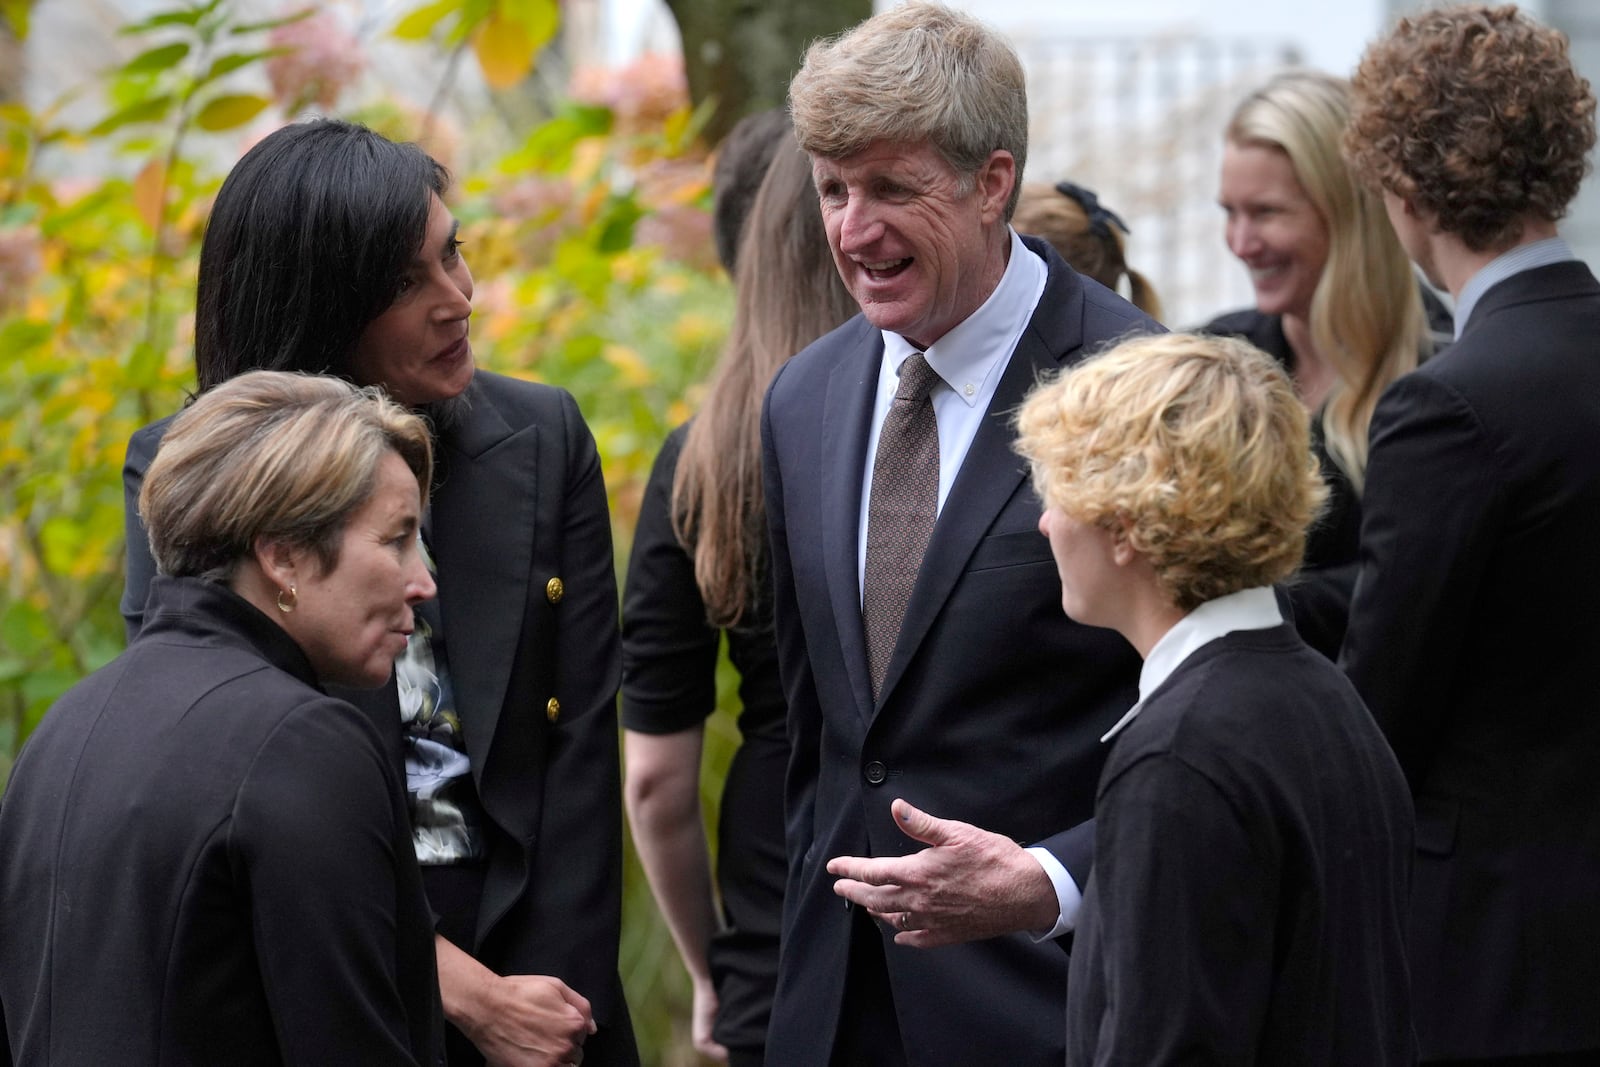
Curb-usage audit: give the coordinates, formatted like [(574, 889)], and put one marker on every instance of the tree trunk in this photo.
[(742, 53)]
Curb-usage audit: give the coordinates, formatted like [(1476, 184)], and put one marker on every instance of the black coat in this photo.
[(1473, 638), (521, 536), (991, 710), (205, 859), (1252, 851)]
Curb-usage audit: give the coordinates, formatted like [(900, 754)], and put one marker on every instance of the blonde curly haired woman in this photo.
[(1252, 829)]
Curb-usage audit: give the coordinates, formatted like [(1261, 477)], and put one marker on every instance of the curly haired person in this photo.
[(1477, 608), (1252, 829)]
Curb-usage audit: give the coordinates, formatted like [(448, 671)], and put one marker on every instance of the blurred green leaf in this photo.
[(272, 24), (617, 222), (20, 336), (163, 58), (417, 25), (549, 147), (184, 17), (230, 63), (152, 109), (230, 111), (15, 12)]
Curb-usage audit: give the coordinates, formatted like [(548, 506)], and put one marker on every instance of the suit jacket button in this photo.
[(876, 773), (552, 710), (554, 590)]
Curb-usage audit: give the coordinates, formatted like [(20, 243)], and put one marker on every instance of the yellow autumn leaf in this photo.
[(505, 50), (149, 186), (630, 366)]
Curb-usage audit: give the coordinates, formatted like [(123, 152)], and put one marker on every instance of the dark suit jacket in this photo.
[(1473, 638), (1253, 848), (991, 711), (205, 859), (519, 503)]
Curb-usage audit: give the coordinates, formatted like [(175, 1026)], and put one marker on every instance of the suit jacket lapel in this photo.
[(991, 472), (483, 534), (846, 422)]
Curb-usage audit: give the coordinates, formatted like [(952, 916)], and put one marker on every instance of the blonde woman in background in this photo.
[(1089, 236), (1337, 303)]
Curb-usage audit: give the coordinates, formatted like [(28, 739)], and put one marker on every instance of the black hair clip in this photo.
[(1098, 216)]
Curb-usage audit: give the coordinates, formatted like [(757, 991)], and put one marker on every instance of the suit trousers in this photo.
[(869, 1030)]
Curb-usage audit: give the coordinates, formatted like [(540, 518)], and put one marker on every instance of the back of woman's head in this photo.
[(1195, 448), (1086, 234), (308, 242), (267, 455), (788, 294), (1366, 317)]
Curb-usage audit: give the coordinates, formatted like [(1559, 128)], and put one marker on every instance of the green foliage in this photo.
[(589, 243)]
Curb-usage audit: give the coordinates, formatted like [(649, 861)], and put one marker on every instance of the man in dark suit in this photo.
[(923, 650), (1477, 612)]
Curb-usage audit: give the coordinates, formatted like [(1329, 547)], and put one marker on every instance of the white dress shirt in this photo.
[(1248, 609)]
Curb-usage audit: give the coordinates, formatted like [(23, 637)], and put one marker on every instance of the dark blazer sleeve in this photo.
[(141, 565), (1187, 961), (319, 834), (800, 688), (669, 652), (1433, 493)]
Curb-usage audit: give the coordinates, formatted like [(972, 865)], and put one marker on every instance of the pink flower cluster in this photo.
[(324, 61), (641, 94)]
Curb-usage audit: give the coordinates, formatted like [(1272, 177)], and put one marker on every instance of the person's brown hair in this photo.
[(1476, 116), (275, 456), (916, 72), (788, 293), (742, 161), (1088, 236)]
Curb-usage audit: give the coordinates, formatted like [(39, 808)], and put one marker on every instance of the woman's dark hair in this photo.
[(308, 242), (787, 293)]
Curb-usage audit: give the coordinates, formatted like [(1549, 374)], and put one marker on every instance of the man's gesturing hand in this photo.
[(966, 885)]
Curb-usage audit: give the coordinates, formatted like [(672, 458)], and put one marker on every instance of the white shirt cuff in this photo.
[(1067, 894)]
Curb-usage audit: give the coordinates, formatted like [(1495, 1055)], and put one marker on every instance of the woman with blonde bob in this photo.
[(1252, 833), (1337, 302), (204, 858)]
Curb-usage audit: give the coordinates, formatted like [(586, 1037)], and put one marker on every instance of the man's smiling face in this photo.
[(918, 245)]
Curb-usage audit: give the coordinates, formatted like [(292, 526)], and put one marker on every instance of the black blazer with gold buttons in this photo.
[(521, 538)]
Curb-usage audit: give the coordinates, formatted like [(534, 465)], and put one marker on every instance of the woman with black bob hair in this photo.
[(330, 250)]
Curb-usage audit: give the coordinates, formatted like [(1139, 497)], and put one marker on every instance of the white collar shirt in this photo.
[(1248, 609), (1506, 265)]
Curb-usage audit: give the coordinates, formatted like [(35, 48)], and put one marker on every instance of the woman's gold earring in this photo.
[(294, 598)]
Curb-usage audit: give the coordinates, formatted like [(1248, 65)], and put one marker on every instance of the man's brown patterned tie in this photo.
[(901, 512)]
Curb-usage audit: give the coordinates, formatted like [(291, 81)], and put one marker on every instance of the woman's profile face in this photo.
[(353, 620), (1273, 228), (418, 349)]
